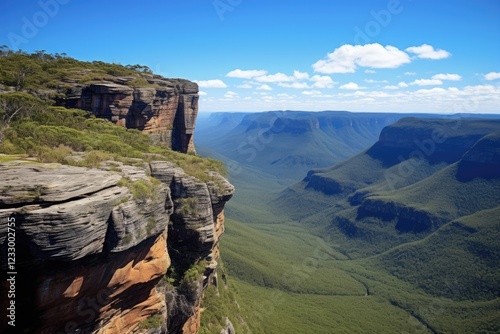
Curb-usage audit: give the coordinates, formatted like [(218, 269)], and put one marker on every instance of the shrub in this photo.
[(155, 321), (94, 159), (142, 190), (58, 154), (194, 272), (150, 225), (187, 206), (29, 125)]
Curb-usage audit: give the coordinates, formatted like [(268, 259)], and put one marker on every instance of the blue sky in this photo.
[(254, 55)]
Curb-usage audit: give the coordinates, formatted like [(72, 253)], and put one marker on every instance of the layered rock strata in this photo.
[(92, 251), (197, 223), (167, 110)]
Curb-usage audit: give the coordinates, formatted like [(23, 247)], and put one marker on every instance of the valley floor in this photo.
[(286, 280), (343, 252)]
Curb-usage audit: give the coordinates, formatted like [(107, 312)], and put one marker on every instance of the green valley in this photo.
[(347, 251)]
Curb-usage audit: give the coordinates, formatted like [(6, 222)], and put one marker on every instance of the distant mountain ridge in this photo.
[(287, 144), (413, 218), (425, 181)]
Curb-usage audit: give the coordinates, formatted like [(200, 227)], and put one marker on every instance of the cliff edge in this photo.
[(166, 111), (113, 228), (93, 246)]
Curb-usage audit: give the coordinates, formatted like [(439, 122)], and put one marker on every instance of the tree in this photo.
[(140, 68), (5, 51), (15, 106), (21, 74)]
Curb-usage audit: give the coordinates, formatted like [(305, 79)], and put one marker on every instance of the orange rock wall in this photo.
[(167, 112), (122, 296)]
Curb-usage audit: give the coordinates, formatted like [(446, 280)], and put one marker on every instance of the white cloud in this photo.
[(437, 90), (482, 89), (348, 57), (410, 73), (245, 86), (211, 83), (351, 86), (447, 76), (230, 95), (427, 82), (297, 85), (375, 81), (300, 75), (403, 84), (426, 51), (370, 71), (278, 77), (246, 74), (470, 99), (322, 81), (390, 87), (311, 92), (492, 76), (202, 93), (264, 87), (356, 93)]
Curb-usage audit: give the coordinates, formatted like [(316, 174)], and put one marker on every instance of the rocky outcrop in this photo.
[(406, 218), (326, 185), (482, 160), (92, 251), (167, 109), (229, 329), (197, 225), (436, 140)]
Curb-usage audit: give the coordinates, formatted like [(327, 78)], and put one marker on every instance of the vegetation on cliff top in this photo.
[(41, 70), (33, 127)]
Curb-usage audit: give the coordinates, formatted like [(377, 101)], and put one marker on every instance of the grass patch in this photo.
[(217, 304), (194, 272), (152, 322), (188, 206), (150, 225), (142, 190)]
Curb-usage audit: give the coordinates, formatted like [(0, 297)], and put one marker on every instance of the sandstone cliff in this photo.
[(93, 245), (167, 110), (128, 245)]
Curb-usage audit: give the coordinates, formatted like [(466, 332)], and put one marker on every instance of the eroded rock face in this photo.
[(167, 111), (327, 186), (197, 225), (91, 255), (104, 294), (406, 219), (435, 140)]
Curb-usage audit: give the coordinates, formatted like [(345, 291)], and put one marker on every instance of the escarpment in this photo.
[(167, 111), (197, 223), (482, 160), (93, 246), (127, 244), (412, 149), (419, 176)]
